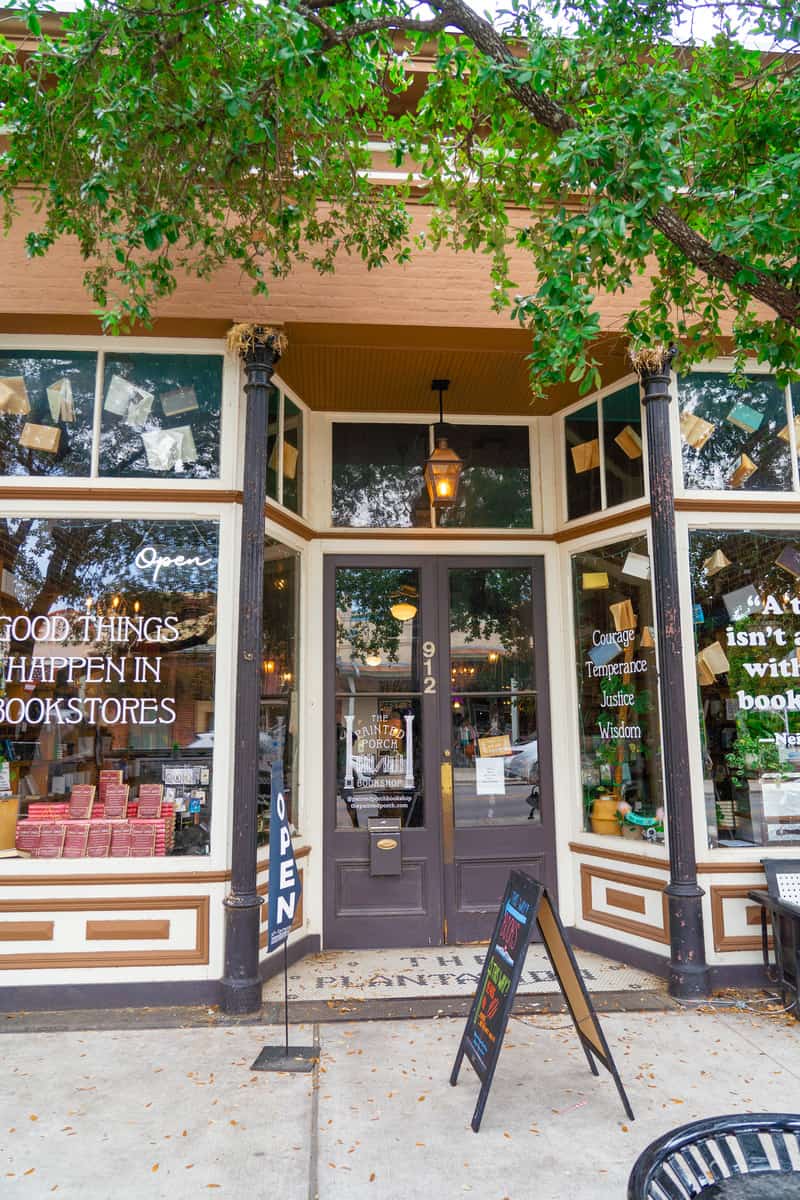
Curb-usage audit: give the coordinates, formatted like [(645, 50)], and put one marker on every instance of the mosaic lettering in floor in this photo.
[(445, 972)]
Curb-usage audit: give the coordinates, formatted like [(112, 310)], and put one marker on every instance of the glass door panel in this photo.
[(378, 716), (493, 717)]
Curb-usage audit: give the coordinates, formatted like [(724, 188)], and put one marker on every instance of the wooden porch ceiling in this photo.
[(385, 368)]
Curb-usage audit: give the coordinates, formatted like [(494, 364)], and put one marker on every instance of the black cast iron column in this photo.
[(688, 972), (241, 985)]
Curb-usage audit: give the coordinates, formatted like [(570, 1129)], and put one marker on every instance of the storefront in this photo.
[(485, 678)]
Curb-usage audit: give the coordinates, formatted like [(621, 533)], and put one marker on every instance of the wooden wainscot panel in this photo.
[(627, 900), (653, 933), (192, 956), (727, 943), (127, 931), (26, 931)]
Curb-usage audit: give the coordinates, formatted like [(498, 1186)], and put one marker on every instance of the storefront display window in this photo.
[(618, 691), (284, 451), (747, 631), (736, 439), (161, 415), (378, 476), (107, 657), (603, 448), (46, 412), (278, 718)]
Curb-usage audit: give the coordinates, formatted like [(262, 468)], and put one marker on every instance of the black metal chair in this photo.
[(743, 1156), (781, 903)]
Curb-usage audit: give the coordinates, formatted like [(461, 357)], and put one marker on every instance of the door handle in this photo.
[(448, 829)]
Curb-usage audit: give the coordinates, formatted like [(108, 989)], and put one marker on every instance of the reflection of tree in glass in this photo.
[(122, 450), (364, 596), (493, 602), (40, 370), (60, 564), (712, 396), (375, 495), (491, 497)]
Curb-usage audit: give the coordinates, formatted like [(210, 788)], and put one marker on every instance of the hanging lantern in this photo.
[(442, 473), (443, 468)]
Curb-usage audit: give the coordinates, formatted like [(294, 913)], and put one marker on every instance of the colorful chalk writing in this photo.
[(525, 902)]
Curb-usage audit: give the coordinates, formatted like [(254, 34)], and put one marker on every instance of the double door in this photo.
[(437, 746)]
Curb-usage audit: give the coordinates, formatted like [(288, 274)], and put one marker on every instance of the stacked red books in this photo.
[(150, 799), (51, 839), (81, 799), (42, 811), (144, 834), (76, 839), (116, 801), (99, 840), (120, 839), (28, 833)]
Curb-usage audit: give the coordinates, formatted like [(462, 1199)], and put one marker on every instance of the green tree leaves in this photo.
[(173, 137)]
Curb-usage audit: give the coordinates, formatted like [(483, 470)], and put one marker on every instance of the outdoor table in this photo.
[(743, 1156), (772, 1186), (785, 921)]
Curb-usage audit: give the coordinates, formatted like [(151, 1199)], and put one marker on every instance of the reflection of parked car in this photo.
[(524, 760)]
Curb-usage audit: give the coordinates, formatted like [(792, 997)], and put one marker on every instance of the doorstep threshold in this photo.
[(418, 1008)]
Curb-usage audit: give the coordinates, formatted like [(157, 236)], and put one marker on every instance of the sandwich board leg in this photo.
[(622, 1094), (589, 1058), (457, 1065)]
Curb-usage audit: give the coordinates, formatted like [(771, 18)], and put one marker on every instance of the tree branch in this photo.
[(761, 285)]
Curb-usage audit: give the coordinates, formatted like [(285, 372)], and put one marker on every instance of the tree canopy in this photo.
[(597, 136)]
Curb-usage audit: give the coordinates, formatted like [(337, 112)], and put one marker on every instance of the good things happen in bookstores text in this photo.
[(85, 668)]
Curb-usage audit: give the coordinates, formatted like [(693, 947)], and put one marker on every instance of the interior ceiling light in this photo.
[(443, 468), (403, 607), (373, 660)]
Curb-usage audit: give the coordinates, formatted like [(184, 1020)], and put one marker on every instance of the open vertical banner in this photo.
[(526, 902), (284, 893), (284, 880)]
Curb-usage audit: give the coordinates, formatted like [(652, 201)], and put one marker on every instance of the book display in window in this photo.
[(61, 401), (746, 418), (789, 560), (44, 438), (161, 415), (695, 431), (46, 412), (81, 799), (744, 470), (14, 396), (586, 456), (715, 563), (629, 442)]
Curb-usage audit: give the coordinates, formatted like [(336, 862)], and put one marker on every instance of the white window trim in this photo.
[(574, 523)]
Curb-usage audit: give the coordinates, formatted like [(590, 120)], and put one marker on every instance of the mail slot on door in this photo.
[(385, 847)]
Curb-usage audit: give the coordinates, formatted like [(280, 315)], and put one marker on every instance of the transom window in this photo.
[(378, 476)]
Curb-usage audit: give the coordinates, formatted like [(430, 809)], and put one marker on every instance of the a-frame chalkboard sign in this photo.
[(525, 902)]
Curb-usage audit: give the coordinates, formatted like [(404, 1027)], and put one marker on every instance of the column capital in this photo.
[(257, 345), (653, 365)]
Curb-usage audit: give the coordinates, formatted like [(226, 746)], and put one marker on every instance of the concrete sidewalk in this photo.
[(176, 1113)]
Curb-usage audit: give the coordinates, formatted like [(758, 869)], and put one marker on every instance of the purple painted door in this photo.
[(436, 719)]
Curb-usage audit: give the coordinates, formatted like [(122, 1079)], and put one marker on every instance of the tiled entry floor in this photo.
[(447, 971)]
